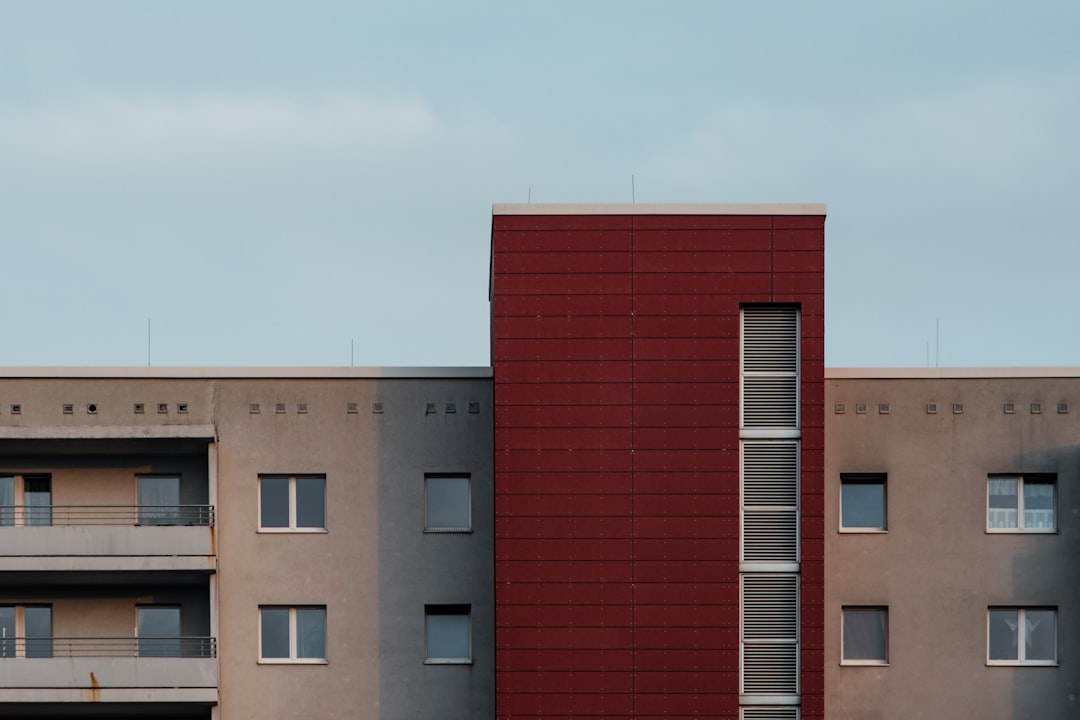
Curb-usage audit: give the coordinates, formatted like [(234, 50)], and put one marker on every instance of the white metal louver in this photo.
[(770, 367), (769, 538), (770, 499), (778, 712)]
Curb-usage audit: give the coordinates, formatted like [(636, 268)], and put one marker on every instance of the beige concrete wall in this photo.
[(937, 569)]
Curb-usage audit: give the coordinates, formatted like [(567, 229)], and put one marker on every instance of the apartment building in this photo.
[(246, 543), (952, 515)]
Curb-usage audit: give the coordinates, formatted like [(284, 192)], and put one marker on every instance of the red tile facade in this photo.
[(616, 359)]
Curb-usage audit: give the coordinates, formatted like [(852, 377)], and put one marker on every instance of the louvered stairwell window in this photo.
[(770, 445)]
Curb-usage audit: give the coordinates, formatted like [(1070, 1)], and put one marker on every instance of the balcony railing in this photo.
[(108, 647), (45, 515)]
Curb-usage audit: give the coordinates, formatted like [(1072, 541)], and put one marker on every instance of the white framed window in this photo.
[(292, 503), (448, 634), (292, 634), (864, 635), (447, 503), (863, 502), (1021, 636), (1021, 503)]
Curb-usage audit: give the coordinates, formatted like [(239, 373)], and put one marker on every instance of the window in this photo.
[(862, 502), (448, 503), (865, 636), (159, 631), (448, 633), (159, 500), (26, 631), (292, 503), (1021, 503), (1021, 636), (25, 500), (292, 634)]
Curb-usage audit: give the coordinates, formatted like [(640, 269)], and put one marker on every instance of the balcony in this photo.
[(108, 670), (121, 537)]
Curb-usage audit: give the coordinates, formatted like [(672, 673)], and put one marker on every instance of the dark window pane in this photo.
[(862, 505), (7, 500), (1039, 505), (311, 502), (159, 632), (39, 632), (7, 631), (448, 503), (866, 634), (274, 502), (1002, 503), (37, 496), (1003, 635), (275, 632), (311, 633), (448, 637)]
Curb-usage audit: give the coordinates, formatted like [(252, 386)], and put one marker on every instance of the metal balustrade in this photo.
[(38, 515), (108, 647)]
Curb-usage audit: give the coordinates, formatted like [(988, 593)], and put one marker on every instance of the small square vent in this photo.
[(474, 408), (91, 408), (958, 408), (431, 408), (140, 408), (301, 408), (451, 407), (1008, 408), (376, 408), (860, 408), (931, 408), (352, 408), (279, 408), (69, 408), (16, 409), (254, 408), (1063, 408), (883, 408), (1036, 408), (839, 408), (163, 408)]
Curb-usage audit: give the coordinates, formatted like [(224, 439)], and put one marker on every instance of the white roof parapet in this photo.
[(657, 209), (222, 373), (949, 373)]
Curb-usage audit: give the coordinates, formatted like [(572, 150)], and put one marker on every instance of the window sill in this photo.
[(293, 661), (448, 661), (864, 663), (292, 531), (1022, 531), (863, 531), (1022, 663), (448, 531)]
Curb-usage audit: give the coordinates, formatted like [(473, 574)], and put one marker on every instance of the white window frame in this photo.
[(20, 638), (293, 639), (874, 662), (1021, 639), (1042, 479), (451, 610), (864, 479), (467, 528), (293, 527)]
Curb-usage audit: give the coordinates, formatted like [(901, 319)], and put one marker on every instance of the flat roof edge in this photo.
[(949, 373), (223, 373), (657, 209), (107, 432)]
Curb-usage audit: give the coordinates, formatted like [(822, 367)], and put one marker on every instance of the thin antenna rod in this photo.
[(530, 196), (633, 191), (147, 342), (352, 353), (937, 344), (927, 353)]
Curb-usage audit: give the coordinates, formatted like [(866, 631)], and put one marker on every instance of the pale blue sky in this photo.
[(270, 180)]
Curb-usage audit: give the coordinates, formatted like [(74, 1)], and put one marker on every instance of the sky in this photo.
[(310, 183)]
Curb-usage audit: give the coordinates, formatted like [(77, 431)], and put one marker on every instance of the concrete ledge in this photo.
[(657, 209), (950, 373), (99, 563), (109, 679), (106, 432), (117, 541)]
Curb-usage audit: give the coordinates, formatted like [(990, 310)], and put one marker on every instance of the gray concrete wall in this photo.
[(418, 568), (937, 569)]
